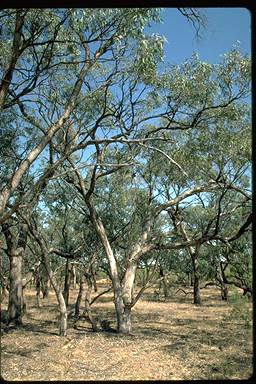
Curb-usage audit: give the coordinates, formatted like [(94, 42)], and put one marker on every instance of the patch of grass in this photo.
[(241, 311)]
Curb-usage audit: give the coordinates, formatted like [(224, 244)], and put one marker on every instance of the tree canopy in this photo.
[(105, 151)]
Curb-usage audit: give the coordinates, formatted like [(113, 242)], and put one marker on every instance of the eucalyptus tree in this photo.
[(231, 262), (197, 100), (144, 242), (56, 60), (47, 247)]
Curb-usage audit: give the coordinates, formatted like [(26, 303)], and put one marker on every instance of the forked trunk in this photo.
[(119, 307), (54, 283), (128, 283)]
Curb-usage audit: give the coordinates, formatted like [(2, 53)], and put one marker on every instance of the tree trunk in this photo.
[(74, 278), (119, 306), (15, 305), (44, 280), (224, 288), (122, 296), (163, 280), (224, 292), (15, 252), (63, 316), (79, 297), (127, 320), (194, 254), (93, 274), (38, 288), (88, 304), (4, 290), (197, 296), (128, 282), (62, 306), (57, 289), (67, 283)]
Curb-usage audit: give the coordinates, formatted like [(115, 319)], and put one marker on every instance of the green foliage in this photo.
[(192, 123), (241, 311)]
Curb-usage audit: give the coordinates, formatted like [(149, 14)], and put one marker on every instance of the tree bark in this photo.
[(197, 296), (74, 278), (44, 280), (163, 280), (15, 251), (224, 288), (224, 292), (67, 283), (194, 254), (38, 288), (15, 310), (79, 297)]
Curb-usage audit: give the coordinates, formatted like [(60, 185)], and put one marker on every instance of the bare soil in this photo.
[(172, 339)]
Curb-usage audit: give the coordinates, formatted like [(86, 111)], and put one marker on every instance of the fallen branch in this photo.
[(186, 293), (210, 283)]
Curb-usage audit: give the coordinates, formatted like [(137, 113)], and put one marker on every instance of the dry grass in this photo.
[(170, 340)]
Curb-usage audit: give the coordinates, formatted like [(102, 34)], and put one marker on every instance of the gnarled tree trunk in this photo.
[(15, 305), (15, 251)]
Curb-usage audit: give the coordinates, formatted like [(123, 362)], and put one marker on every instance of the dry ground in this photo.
[(170, 340)]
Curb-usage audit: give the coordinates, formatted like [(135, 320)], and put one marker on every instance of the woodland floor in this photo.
[(170, 340)]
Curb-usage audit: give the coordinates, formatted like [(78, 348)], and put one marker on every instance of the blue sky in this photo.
[(224, 27)]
